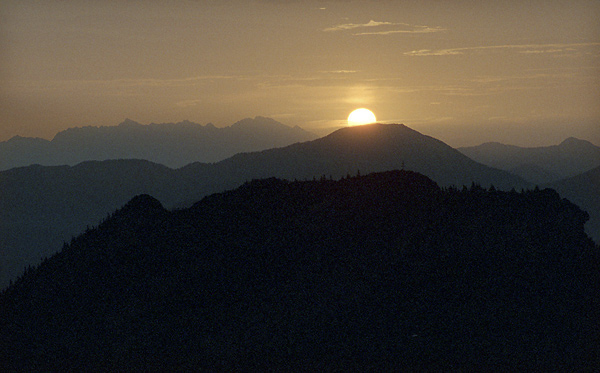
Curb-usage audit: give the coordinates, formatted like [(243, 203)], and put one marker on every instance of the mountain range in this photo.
[(170, 144), (42, 207), (538, 165), (379, 272)]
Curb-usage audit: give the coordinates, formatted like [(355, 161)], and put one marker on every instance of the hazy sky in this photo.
[(519, 72)]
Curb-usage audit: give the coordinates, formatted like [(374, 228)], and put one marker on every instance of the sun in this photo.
[(361, 116)]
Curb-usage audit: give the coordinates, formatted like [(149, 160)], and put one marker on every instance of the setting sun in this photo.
[(361, 116)]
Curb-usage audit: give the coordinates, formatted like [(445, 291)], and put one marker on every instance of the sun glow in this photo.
[(361, 116)]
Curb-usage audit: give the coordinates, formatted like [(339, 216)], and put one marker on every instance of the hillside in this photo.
[(44, 206), (384, 271), (539, 165), (584, 190), (170, 144)]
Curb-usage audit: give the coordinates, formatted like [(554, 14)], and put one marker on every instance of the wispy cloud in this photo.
[(410, 30), (350, 26), (339, 72), (528, 48), (439, 52), (540, 51), (400, 28)]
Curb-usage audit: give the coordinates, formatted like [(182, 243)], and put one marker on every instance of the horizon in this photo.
[(524, 74), (335, 129)]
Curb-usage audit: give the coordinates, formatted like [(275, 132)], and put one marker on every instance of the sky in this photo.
[(466, 72)]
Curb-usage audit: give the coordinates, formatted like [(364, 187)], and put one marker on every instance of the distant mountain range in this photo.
[(539, 165), (42, 207), (572, 168), (170, 144), (378, 272)]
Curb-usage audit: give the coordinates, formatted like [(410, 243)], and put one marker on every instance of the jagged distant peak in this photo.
[(257, 121), (129, 122), (185, 123)]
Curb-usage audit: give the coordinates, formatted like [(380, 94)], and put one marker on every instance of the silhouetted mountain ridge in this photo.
[(43, 207), (539, 165), (375, 272), (171, 144)]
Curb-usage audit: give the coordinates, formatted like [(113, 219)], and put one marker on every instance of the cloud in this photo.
[(530, 48), (339, 72), (439, 52), (411, 30), (350, 26), (539, 51), (528, 76), (406, 28)]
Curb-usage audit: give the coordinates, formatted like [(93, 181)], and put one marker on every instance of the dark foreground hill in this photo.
[(41, 207), (379, 272), (539, 165), (170, 144)]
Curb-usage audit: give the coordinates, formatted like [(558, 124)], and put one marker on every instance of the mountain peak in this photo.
[(128, 122), (257, 122), (377, 126), (16, 138), (142, 205), (20, 139), (574, 142), (186, 122), (392, 134)]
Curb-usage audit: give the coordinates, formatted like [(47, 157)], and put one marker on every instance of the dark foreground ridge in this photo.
[(380, 271)]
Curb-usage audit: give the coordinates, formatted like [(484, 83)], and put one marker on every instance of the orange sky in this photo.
[(465, 72)]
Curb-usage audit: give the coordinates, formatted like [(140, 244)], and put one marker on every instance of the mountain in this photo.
[(171, 144), (44, 206), (372, 273), (369, 148), (538, 165), (584, 190)]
